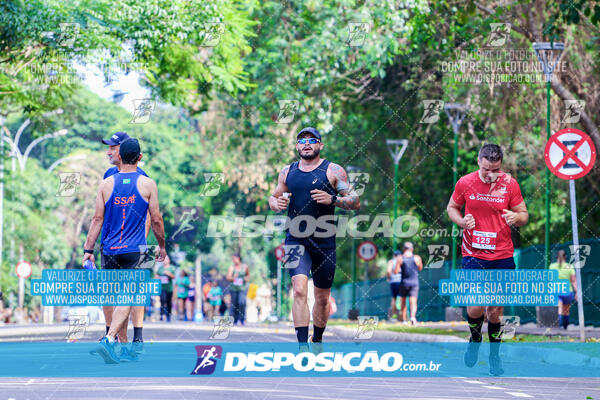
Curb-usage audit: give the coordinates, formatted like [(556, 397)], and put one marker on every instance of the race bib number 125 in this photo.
[(484, 240)]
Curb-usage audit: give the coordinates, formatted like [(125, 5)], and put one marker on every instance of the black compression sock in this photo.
[(107, 329), (137, 334), (475, 327), (318, 333), (494, 332), (302, 334), (565, 321)]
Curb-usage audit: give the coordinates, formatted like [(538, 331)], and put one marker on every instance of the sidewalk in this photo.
[(526, 329)]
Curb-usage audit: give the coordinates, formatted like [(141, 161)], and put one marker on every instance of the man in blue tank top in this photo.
[(310, 189), (122, 203), (411, 264), (113, 144)]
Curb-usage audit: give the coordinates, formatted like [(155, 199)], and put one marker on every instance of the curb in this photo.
[(388, 336)]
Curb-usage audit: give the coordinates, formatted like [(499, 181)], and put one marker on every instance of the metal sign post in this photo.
[(456, 114), (397, 147), (577, 266), (570, 154), (23, 270)]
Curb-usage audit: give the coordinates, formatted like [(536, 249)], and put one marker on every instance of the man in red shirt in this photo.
[(493, 203)]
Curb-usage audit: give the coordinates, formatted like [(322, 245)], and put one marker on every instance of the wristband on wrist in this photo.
[(88, 251)]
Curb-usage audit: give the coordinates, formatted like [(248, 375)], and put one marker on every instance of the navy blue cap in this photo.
[(130, 151), (116, 139), (310, 130), (397, 252)]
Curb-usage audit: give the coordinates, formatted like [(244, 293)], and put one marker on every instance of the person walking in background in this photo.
[(166, 274), (394, 276), (410, 264), (226, 303), (183, 284), (191, 299), (565, 271), (239, 276), (205, 303), (215, 297)]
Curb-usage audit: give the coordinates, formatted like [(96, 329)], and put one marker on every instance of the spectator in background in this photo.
[(394, 276), (332, 305), (239, 276), (205, 304), (183, 284), (215, 297), (565, 271), (224, 285), (166, 274)]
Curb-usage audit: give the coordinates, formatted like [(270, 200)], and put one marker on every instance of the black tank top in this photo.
[(410, 271), (300, 184)]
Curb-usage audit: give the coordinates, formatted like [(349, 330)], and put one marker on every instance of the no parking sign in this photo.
[(570, 154), (367, 250)]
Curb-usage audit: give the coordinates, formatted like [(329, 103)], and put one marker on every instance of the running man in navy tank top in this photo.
[(137, 319), (122, 203), (310, 189)]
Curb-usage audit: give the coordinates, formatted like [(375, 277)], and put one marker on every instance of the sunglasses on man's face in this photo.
[(308, 140)]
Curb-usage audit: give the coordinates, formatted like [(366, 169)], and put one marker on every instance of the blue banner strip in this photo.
[(347, 359)]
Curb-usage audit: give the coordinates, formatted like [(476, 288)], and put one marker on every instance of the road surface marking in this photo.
[(518, 394), (494, 387)]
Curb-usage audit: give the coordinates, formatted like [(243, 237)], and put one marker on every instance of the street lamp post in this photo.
[(16, 155), (548, 54), (456, 114), (397, 147), (23, 157), (64, 159)]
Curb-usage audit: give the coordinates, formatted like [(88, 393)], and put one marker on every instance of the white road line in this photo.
[(518, 394), (468, 381), (494, 387)]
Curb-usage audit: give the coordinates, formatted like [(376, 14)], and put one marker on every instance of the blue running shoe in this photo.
[(107, 351), (127, 355), (496, 366), (472, 354), (137, 347)]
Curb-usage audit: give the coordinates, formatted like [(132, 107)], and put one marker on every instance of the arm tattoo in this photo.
[(284, 171), (349, 199)]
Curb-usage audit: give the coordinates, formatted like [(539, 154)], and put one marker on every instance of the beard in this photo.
[(311, 156)]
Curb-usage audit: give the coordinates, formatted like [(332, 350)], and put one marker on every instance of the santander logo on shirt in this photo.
[(487, 197)]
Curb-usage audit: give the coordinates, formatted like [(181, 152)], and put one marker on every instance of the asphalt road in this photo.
[(207, 387)]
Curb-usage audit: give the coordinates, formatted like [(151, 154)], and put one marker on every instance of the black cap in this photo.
[(130, 151), (116, 139), (310, 130)]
